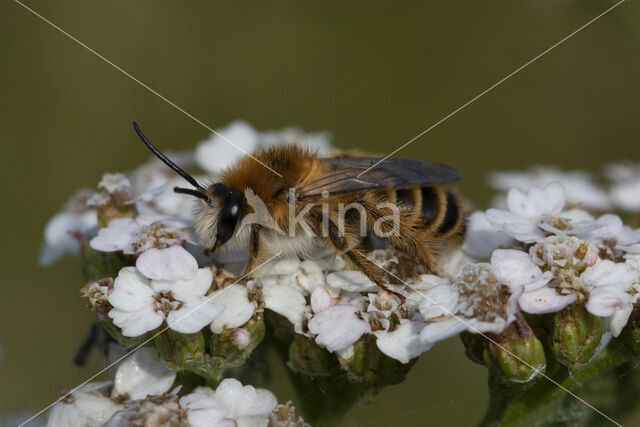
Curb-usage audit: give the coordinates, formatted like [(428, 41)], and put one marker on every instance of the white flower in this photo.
[(141, 305), (351, 281), (606, 287), (625, 190), (284, 299), (320, 141), (530, 215), (58, 235), (218, 151), (486, 298), (441, 301), (204, 410), (230, 405), (114, 182), (226, 146), (452, 262), (283, 266), (154, 411), (156, 241), (611, 235), (85, 407), (142, 374), (338, 327), (611, 285), (61, 232), (152, 184), (482, 239), (563, 251), (403, 344), (237, 308), (321, 299), (579, 186)]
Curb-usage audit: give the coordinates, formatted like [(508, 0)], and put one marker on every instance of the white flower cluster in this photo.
[(555, 255), (620, 188), (140, 395)]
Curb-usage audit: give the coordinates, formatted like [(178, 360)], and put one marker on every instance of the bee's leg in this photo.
[(360, 261), (405, 233), (254, 249)]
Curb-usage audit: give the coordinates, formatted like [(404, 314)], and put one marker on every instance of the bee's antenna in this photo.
[(192, 192), (165, 159)]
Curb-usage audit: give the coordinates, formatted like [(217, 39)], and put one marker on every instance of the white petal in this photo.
[(216, 153), (606, 300), (618, 320), (58, 241), (338, 327), (438, 331), (404, 343), (515, 225), (321, 300), (283, 266), (515, 268), (183, 290), (136, 323), (482, 239), (609, 273), (309, 281), (284, 300), (237, 308), (172, 263), (142, 374), (544, 300), (87, 409), (537, 201), (116, 236), (205, 410), (351, 280), (438, 301), (310, 266), (131, 291), (245, 401), (194, 315)]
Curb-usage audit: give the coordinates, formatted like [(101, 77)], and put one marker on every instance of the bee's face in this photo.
[(216, 217)]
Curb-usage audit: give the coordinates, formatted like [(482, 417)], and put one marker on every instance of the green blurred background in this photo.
[(373, 73)]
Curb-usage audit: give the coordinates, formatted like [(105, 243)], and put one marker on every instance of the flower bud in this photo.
[(576, 336), (369, 365), (181, 351), (517, 353), (308, 358), (233, 347)]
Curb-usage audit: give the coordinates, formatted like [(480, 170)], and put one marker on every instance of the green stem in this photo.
[(549, 400)]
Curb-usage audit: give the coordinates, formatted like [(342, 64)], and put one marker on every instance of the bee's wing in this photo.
[(342, 176)]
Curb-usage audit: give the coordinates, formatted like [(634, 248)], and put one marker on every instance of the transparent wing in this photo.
[(342, 176)]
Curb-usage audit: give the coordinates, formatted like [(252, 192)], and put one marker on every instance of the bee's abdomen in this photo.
[(442, 212), (433, 208)]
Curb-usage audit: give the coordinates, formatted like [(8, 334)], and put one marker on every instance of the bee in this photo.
[(403, 200)]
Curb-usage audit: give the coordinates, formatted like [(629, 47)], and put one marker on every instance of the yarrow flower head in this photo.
[(64, 232), (530, 217), (580, 187), (141, 305), (482, 299)]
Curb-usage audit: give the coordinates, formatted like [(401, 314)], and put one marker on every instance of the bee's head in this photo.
[(216, 215)]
